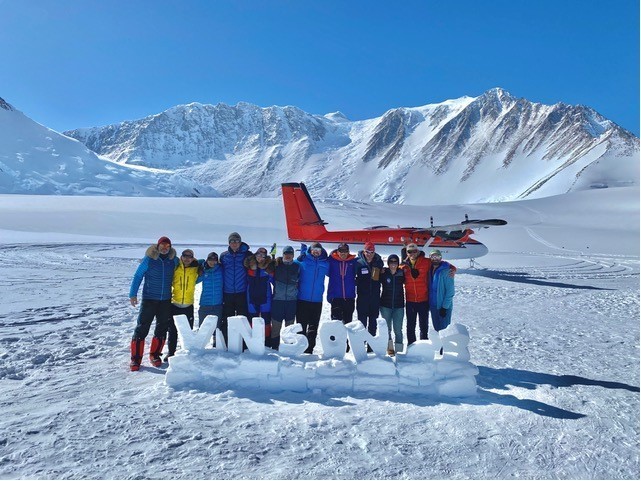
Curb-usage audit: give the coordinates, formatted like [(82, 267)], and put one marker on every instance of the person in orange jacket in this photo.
[(417, 267)]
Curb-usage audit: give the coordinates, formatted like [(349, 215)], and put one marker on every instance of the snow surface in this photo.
[(552, 313)]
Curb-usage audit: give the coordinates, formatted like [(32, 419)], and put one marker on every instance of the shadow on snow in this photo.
[(524, 278), (492, 378)]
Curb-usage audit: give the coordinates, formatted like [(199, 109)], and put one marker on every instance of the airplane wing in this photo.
[(466, 224)]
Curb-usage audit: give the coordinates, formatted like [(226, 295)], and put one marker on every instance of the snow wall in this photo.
[(421, 370)]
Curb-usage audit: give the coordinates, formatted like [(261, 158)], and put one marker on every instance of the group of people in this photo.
[(285, 289)]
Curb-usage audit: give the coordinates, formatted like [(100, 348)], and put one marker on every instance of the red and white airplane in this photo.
[(304, 224)]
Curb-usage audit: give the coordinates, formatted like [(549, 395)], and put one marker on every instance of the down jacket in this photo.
[(311, 284), (158, 272), (212, 279), (235, 275), (393, 295)]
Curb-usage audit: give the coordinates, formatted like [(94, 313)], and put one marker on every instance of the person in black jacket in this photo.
[(393, 302), (286, 275), (368, 286)]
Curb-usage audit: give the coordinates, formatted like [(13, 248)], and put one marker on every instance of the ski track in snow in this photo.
[(558, 385)]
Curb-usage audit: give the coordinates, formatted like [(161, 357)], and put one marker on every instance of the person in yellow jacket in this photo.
[(182, 295)]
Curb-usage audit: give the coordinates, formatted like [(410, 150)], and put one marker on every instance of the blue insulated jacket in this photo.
[(259, 291), (234, 273), (342, 277), (158, 272), (212, 279), (441, 287), (311, 283)]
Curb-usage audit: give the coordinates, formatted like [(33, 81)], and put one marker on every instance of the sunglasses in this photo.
[(412, 251), (316, 249), (369, 252), (261, 254), (434, 256)]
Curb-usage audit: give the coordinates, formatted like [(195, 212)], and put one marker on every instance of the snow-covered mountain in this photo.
[(38, 160), (489, 148)]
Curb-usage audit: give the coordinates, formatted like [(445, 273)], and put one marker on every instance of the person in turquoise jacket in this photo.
[(441, 289)]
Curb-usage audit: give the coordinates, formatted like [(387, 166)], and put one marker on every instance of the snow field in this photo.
[(554, 334)]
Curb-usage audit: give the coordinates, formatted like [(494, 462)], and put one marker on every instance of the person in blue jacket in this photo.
[(341, 289), (314, 266), (441, 291), (234, 280), (211, 296), (156, 269), (259, 289)]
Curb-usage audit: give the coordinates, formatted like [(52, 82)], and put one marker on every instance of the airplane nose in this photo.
[(482, 250)]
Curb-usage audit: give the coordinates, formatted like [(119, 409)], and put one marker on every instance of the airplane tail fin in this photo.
[(303, 221)]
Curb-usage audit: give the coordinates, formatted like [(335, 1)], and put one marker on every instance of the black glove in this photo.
[(414, 273), (442, 311)]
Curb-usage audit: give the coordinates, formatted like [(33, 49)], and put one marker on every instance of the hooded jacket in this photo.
[(441, 287), (286, 278), (342, 277), (234, 273), (158, 272), (184, 283)]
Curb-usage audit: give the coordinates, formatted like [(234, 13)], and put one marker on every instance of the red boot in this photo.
[(157, 343), (137, 350)]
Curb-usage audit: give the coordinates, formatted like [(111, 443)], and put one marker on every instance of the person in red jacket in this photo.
[(417, 273)]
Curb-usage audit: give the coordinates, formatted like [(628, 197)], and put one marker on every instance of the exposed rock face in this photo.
[(493, 147)]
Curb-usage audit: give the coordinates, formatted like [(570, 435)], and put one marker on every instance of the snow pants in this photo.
[(420, 309), (172, 338), (282, 311), (308, 315), (204, 311), (367, 313), (342, 309), (233, 305), (150, 309)]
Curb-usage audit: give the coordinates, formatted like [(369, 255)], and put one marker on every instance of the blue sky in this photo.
[(77, 63)]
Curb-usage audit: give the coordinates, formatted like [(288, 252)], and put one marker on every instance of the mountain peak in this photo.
[(337, 116), (497, 93), (5, 105)]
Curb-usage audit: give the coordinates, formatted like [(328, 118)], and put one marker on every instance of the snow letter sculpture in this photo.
[(422, 370)]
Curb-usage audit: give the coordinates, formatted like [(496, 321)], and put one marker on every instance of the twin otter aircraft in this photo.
[(304, 224)]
